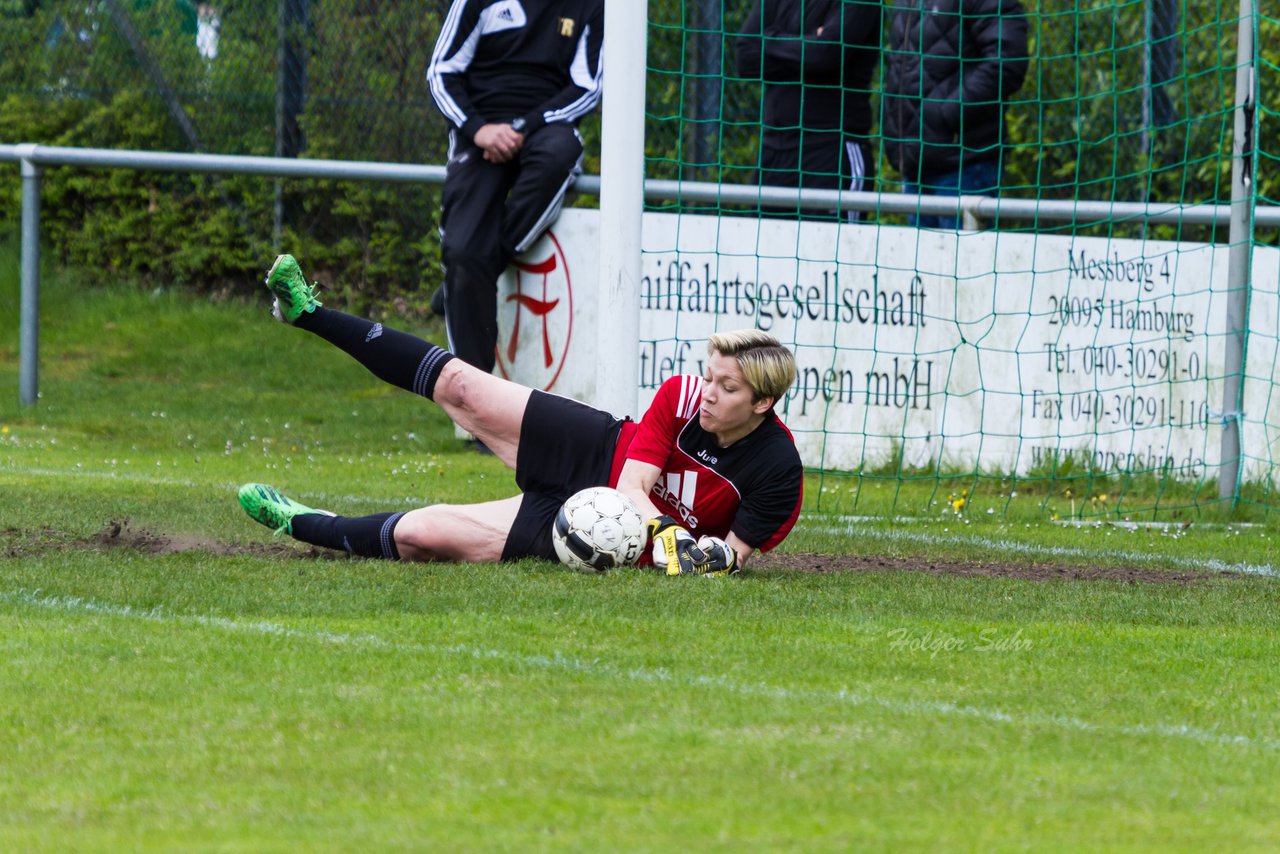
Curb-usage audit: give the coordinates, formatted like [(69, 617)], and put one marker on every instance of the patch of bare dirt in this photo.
[(122, 535)]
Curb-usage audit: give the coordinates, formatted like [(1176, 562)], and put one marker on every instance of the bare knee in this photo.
[(424, 534), (454, 532), (488, 407), (455, 387)]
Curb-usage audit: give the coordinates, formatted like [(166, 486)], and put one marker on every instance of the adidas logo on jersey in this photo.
[(679, 489), (502, 16)]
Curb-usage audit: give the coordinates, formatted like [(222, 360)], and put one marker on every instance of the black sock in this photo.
[(363, 536), (399, 358)]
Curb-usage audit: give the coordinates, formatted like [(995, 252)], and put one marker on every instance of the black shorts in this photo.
[(565, 446)]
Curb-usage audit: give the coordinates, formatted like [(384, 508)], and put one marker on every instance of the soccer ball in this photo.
[(598, 528)]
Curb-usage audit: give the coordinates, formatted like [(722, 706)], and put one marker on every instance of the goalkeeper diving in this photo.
[(710, 466)]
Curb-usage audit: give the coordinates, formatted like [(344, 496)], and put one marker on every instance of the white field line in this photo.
[(1013, 547), (1065, 523), (595, 667)]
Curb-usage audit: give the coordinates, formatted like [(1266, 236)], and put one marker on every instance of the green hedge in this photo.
[(82, 84)]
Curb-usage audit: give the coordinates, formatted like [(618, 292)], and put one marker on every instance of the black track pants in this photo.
[(493, 212)]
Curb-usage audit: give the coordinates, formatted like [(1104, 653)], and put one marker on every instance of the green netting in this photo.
[(1076, 357)]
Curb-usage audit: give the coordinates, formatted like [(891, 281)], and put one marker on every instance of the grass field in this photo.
[(173, 677)]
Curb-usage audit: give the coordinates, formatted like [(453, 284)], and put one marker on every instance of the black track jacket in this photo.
[(498, 60)]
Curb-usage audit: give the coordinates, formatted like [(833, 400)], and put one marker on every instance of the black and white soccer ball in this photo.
[(597, 529)]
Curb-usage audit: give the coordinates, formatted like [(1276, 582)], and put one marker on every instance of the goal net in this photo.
[(1073, 341)]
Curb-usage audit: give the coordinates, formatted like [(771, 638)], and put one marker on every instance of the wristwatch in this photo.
[(518, 124)]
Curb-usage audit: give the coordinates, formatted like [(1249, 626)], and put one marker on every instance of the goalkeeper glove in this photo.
[(721, 559), (673, 547)]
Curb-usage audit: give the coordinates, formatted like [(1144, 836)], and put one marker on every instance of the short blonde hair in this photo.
[(767, 366)]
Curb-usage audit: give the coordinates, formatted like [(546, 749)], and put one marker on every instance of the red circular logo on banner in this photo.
[(535, 315)]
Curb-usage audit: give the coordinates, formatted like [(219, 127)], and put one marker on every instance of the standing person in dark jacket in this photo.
[(514, 78), (949, 69), (816, 59)]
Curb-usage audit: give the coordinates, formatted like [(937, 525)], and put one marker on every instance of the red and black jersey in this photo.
[(752, 488)]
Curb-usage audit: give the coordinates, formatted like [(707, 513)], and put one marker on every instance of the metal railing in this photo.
[(970, 210)]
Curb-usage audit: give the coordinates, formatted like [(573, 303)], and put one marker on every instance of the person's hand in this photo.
[(719, 557), (673, 547), (500, 142)]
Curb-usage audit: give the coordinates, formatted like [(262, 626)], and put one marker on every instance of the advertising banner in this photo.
[(996, 350)]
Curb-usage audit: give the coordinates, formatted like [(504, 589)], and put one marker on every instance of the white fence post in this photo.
[(621, 206), (1240, 238), (29, 330)]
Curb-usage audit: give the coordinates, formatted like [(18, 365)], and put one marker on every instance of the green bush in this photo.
[(83, 85)]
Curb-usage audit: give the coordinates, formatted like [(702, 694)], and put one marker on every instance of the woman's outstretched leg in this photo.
[(460, 532), (486, 406), (363, 536)]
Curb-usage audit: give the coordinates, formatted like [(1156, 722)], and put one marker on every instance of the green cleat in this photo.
[(269, 507), (293, 296)]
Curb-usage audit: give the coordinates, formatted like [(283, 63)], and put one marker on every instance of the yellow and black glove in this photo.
[(674, 549), (720, 558)]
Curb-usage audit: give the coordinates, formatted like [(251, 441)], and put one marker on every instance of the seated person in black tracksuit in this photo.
[(514, 78), (816, 59)]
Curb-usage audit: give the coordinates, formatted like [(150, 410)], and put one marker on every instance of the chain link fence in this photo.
[(342, 80), (337, 79)]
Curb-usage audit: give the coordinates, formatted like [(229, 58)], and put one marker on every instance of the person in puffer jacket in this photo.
[(950, 68), (815, 59)]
